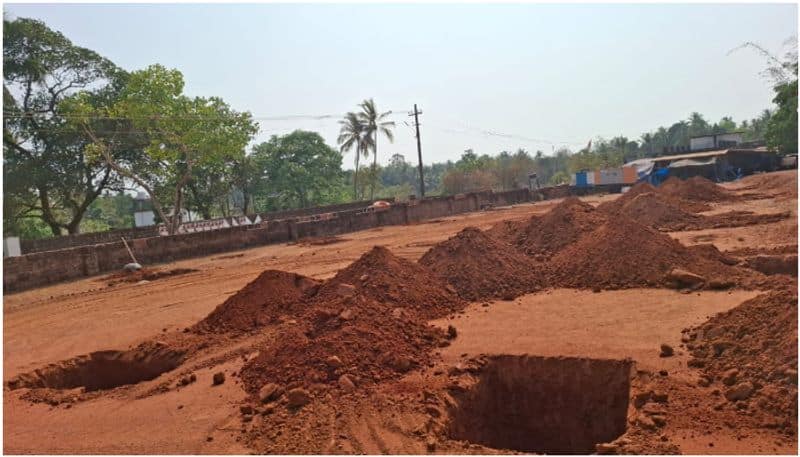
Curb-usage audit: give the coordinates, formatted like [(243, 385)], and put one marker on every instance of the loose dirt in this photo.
[(272, 294), (543, 236), (750, 353), (480, 267), (697, 189)]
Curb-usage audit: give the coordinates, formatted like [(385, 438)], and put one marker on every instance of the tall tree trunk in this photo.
[(374, 166), (355, 175)]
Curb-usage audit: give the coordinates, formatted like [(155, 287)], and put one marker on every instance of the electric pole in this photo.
[(416, 114)]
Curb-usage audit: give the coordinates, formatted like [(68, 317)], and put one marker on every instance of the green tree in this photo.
[(183, 133), (298, 169), (45, 167), (375, 124), (781, 131), (353, 135)]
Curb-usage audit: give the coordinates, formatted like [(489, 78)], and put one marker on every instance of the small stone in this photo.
[(683, 278), (246, 409), (363, 277), (298, 397), (703, 382), (247, 418), (741, 391), (347, 314), (663, 373), (729, 377), (645, 422), (334, 361), (402, 364), (450, 289), (192, 377), (397, 313), (269, 392), (606, 448), (430, 444), (667, 350), (345, 290), (209, 438), (346, 384), (660, 397), (451, 332), (218, 378), (641, 398)]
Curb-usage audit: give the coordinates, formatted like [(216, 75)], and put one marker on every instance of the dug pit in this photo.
[(550, 405), (103, 370)]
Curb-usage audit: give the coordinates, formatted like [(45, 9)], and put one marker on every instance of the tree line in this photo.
[(81, 133)]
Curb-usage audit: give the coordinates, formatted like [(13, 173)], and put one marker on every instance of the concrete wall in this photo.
[(43, 268), (85, 239)]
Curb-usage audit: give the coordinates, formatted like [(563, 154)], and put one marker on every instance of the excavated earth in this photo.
[(556, 327)]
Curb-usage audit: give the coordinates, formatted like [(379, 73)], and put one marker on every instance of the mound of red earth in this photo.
[(480, 267), (664, 213), (750, 352), (397, 282), (366, 324), (695, 188), (542, 236), (344, 343), (623, 254), (262, 301), (688, 206), (652, 210)]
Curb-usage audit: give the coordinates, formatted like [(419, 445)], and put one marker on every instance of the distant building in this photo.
[(715, 141), (143, 215)]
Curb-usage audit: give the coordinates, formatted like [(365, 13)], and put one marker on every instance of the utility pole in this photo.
[(416, 114)]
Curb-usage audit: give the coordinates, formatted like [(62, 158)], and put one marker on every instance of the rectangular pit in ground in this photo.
[(550, 405)]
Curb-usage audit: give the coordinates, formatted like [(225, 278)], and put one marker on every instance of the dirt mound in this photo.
[(696, 188), (386, 278), (480, 267), (751, 351), (355, 336), (545, 235), (623, 253), (369, 322), (272, 294), (687, 206), (652, 210)]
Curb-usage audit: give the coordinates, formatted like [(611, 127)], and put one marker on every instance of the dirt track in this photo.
[(55, 323)]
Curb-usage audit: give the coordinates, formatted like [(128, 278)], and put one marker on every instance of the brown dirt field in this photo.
[(418, 412)]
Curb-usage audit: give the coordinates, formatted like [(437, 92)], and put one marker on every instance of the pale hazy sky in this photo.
[(548, 74)]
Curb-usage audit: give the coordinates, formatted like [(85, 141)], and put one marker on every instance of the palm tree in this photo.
[(353, 135), (375, 123)]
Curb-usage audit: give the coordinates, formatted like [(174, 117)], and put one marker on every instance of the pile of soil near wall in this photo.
[(652, 210), (665, 214), (689, 206), (262, 301), (696, 188), (366, 324), (480, 267), (750, 352), (386, 278), (623, 254), (543, 236)]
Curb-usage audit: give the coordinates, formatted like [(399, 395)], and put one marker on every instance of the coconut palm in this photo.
[(352, 135), (374, 124)]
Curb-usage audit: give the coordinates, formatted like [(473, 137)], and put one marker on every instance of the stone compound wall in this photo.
[(43, 268), (87, 239)]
